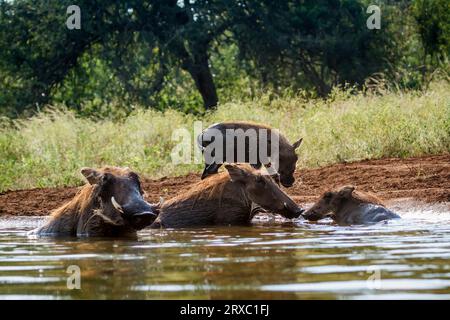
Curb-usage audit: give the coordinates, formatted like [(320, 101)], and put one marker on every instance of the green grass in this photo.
[(50, 148)]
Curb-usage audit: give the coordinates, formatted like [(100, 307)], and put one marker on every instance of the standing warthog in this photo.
[(227, 198), (110, 205), (252, 143), (349, 206)]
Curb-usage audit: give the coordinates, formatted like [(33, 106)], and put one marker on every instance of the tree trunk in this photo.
[(323, 89), (201, 73), (197, 66)]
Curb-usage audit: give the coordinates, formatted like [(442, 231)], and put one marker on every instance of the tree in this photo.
[(132, 51), (320, 43), (433, 25), (38, 50), (44, 51)]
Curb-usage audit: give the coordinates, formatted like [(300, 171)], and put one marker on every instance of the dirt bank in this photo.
[(423, 178)]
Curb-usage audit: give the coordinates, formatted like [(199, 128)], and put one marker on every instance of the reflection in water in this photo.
[(407, 258)]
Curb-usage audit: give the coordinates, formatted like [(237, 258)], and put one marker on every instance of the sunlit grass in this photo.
[(49, 149)]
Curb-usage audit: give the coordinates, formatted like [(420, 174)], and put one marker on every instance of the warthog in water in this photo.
[(248, 140), (110, 205), (231, 197), (349, 206)]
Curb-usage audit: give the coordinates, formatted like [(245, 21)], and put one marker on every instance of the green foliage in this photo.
[(433, 23), (190, 55), (50, 148), (303, 43)]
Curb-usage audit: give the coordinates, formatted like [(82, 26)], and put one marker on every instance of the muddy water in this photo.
[(403, 259)]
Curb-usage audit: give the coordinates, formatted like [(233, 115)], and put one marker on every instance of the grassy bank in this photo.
[(49, 149)]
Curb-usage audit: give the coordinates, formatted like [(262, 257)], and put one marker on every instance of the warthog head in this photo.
[(332, 202), (263, 191), (288, 164), (340, 205), (121, 197), (322, 208)]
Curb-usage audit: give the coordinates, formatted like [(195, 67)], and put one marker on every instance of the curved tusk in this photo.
[(116, 205), (161, 201)]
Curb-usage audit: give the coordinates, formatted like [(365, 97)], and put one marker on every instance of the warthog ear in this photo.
[(328, 195), (92, 175), (236, 173), (297, 143), (347, 191)]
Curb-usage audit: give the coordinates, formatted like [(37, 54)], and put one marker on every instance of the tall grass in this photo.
[(50, 148)]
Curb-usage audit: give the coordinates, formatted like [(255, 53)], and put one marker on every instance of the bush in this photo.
[(50, 148)]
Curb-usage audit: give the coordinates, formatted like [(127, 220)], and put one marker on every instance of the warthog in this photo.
[(231, 197), (349, 206), (248, 140), (110, 205)]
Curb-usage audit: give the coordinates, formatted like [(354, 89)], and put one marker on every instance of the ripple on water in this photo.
[(409, 256), (346, 286)]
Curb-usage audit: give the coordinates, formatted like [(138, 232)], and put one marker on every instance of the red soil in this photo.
[(422, 178)]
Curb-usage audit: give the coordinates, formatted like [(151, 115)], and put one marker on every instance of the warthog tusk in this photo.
[(161, 201), (116, 205), (145, 213)]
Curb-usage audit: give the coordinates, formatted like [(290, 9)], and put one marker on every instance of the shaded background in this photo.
[(192, 55)]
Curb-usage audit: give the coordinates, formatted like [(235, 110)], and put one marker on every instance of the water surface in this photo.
[(403, 259)]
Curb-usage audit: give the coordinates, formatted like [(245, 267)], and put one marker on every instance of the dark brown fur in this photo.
[(227, 198), (287, 155), (349, 206), (91, 213)]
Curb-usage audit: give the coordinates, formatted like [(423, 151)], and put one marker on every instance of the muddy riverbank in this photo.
[(421, 178)]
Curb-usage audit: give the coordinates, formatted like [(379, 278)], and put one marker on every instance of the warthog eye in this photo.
[(261, 181)]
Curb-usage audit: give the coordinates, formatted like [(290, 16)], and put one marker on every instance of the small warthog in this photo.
[(227, 198), (110, 205), (348, 206), (248, 142)]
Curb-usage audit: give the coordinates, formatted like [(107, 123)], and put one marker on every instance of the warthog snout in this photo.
[(287, 181), (292, 210), (262, 190), (137, 212), (312, 215)]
